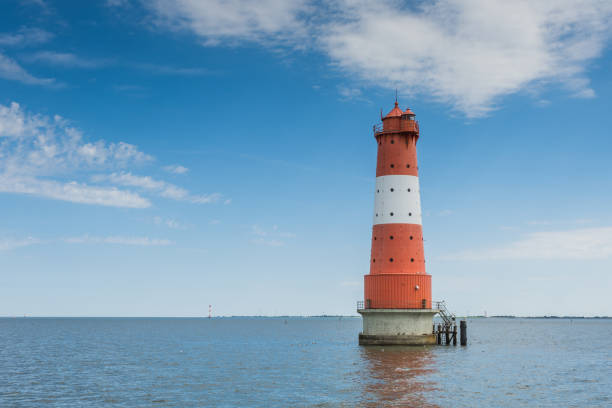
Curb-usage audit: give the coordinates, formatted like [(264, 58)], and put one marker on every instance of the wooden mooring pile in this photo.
[(446, 332)]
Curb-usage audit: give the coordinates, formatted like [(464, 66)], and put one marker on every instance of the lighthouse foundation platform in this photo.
[(401, 327)]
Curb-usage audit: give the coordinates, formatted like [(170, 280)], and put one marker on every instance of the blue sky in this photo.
[(157, 157)]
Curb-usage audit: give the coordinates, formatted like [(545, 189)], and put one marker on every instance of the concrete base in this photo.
[(405, 327)]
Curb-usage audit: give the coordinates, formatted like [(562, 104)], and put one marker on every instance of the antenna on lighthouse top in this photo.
[(396, 96)]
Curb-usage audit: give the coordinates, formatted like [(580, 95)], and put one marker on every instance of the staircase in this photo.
[(447, 317)]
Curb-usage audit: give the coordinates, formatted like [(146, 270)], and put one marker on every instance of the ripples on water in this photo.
[(281, 362)]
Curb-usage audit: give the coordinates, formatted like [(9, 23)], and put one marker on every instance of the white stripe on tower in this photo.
[(397, 200)]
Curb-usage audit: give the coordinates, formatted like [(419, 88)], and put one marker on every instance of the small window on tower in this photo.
[(390, 259), (391, 190), (407, 166), (411, 237), (393, 165), (391, 214), (408, 190), (391, 237), (411, 259), (410, 214), (392, 141)]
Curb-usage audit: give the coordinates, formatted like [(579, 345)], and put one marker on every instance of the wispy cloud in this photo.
[(118, 240), (8, 244), (219, 21), (578, 244), (38, 153), (71, 60), (169, 222), (12, 71), (163, 188), (25, 37), (72, 191), (65, 59), (467, 54), (176, 169), (350, 94), (169, 69), (270, 236)]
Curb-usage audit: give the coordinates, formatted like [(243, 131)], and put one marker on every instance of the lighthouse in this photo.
[(397, 306)]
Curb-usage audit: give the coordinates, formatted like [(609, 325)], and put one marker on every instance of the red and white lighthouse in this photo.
[(397, 307)]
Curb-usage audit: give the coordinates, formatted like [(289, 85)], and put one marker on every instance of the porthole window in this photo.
[(391, 190), (393, 165), (391, 237), (411, 259), (390, 259), (391, 214)]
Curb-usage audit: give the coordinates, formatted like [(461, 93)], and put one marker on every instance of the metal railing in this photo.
[(417, 304), (405, 126), (445, 314)]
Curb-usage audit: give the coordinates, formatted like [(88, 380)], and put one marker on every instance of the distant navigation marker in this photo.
[(209, 311)]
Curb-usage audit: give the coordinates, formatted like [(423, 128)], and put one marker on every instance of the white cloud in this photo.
[(470, 53), (37, 152), (163, 188), (169, 70), (8, 244), (118, 240), (72, 191), (270, 237), (228, 21), (176, 169), (169, 222), (24, 37), (116, 3), (467, 54), (68, 60), (12, 71), (268, 242), (348, 94), (578, 244)]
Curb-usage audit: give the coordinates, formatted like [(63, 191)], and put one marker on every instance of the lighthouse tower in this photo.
[(397, 307)]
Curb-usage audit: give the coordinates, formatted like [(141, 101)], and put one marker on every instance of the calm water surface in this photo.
[(277, 362)]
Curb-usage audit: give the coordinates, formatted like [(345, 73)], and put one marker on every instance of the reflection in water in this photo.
[(398, 376)]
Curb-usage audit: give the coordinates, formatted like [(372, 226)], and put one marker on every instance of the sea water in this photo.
[(298, 362)]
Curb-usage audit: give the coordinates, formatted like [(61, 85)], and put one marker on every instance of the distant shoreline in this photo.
[(294, 317)]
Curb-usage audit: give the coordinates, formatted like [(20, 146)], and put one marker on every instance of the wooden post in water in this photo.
[(447, 332), (463, 331), (439, 334)]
